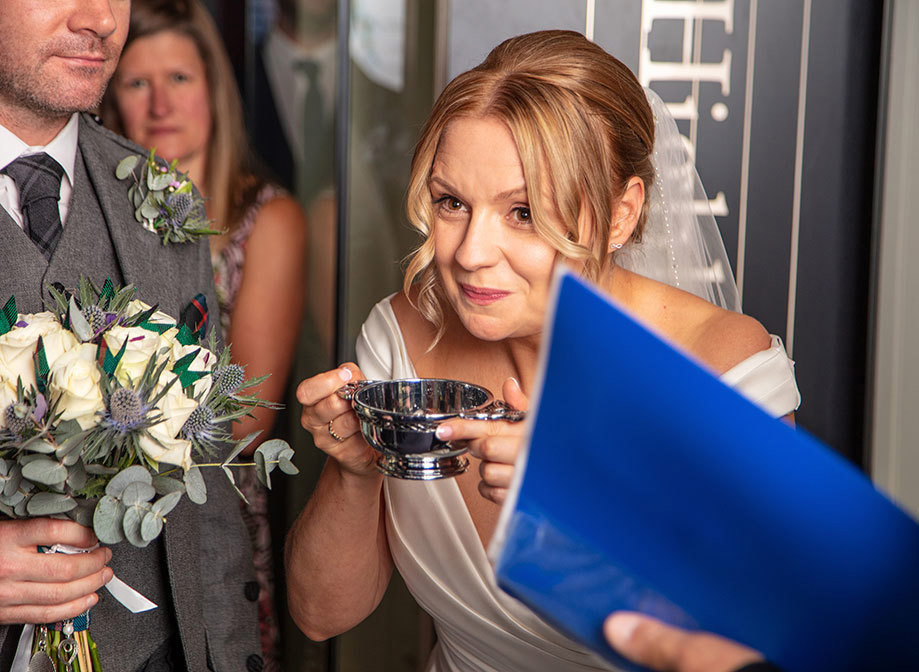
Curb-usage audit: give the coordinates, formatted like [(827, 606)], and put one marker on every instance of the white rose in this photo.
[(7, 397), (164, 444), (137, 306), (142, 346), (18, 345), (74, 384)]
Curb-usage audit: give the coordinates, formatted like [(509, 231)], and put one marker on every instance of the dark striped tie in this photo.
[(38, 178)]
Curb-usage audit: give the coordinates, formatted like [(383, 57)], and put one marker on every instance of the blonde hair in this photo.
[(582, 126), (229, 183)]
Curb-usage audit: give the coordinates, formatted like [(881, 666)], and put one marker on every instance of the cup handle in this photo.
[(348, 390), (496, 410)]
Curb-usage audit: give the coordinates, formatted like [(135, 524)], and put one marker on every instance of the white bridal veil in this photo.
[(681, 244)]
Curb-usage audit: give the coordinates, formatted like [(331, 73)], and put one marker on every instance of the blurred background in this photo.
[(800, 116)]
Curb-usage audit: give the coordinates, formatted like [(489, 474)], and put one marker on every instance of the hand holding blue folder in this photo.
[(660, 489)]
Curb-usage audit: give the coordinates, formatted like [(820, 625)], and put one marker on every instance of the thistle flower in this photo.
[(125, 410), (180, 205), (95, 316), (199, 425), (228, 378), (18, 418)]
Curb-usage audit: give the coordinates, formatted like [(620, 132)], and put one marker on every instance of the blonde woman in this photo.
[(544, 154)]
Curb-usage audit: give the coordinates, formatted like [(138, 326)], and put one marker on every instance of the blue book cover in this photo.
[(649, 485)]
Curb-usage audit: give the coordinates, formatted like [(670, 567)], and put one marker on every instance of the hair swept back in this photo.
[(229, 182), (583, 127)]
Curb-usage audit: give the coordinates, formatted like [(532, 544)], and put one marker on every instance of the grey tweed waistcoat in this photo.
[(197, 570)]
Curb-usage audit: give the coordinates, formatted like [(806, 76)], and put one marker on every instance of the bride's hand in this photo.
[(495, 443), (332, 422)]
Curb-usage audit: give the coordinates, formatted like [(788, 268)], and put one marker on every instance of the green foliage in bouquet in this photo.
[(164, 199), (103, 403)]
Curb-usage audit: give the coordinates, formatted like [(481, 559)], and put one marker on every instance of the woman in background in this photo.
[(547, 153), (174, 92)]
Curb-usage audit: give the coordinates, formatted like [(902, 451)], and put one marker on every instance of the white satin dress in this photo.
[(438, 552)]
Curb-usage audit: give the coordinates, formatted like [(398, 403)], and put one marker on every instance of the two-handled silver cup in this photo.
[(399, 419)]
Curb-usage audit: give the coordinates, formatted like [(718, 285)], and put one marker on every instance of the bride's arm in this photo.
[(337, 556)]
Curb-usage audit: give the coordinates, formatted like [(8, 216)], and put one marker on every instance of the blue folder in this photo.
[(650, 485)]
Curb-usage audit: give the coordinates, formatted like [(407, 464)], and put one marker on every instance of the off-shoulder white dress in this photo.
[(437, 550)]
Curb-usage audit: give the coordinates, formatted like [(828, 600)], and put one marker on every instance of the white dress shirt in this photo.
[(62, 149)]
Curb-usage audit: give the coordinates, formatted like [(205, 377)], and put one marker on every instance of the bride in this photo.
[(543, 154)]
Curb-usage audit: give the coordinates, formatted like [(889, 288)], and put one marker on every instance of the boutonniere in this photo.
[(164, 200)]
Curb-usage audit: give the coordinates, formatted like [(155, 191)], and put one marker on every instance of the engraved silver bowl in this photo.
[(399, 419)]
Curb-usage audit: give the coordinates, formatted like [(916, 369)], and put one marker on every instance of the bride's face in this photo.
[(495, 268)]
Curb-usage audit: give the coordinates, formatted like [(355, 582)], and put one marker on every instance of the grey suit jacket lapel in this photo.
[(142, 259), (134, 245)]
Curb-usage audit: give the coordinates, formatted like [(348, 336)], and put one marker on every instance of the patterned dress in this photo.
[(228, 272)]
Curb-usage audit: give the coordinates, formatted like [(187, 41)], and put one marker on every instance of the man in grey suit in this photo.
[(55, 60)]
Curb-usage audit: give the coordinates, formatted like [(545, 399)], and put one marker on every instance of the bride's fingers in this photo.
[(496, 474), (320, 386), (496, 495), (344, 426), (501, 449)]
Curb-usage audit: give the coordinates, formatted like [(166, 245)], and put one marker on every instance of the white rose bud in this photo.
[(17, 346), (165, 444), (142, 346), (74, 384)]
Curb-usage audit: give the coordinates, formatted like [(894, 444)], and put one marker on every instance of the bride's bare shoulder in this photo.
[(720, 338), (724, 338)]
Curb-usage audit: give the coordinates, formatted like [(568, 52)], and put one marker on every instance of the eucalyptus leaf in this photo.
[(160, 181), (45, 471), (82, 513), (13, 481), (5, 466), (67, 428), (126, 166), (271, 449), (229, 473), (40, 446), (30, 457), (138, 196), (133, 474), (261, 469), (130, 525), (194, 486), (107, 520), (13, 499), (67, 452), (49, 503), (7, 510), (147, 209), (21, 509), (151, 526), (165, 485), (78, 323), (165, 504), (285, 463), (76, 475), (137, 493)]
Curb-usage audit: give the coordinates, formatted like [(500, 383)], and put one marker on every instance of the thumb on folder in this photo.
[(650, 642)]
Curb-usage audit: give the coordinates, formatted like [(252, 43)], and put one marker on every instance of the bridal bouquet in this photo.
[(109, 410)]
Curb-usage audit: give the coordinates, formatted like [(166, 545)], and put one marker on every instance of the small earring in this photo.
[(615, 246)]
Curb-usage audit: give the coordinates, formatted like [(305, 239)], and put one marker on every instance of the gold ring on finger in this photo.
[(333, 434)]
